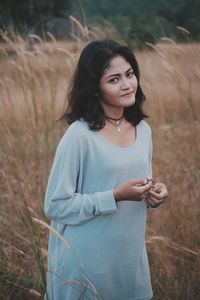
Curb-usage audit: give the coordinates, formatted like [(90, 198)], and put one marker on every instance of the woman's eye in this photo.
[(130, 74), (115, 79)]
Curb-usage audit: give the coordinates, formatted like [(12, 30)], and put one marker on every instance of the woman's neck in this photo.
[(113, 112)]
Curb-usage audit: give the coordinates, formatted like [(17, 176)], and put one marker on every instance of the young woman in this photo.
[(99, 187)]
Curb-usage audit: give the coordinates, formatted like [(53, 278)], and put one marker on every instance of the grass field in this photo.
[(33, 86)]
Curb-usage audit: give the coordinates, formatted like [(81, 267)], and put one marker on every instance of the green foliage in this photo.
[(137, 21), (189, 17), (140, 21)]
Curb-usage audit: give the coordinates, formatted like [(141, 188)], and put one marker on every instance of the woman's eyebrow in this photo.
[(118, 74)]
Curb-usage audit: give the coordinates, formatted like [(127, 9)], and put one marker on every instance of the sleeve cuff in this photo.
[(105, 203), (153, 207)]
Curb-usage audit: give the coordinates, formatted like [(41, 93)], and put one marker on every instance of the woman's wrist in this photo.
[(117, 196)]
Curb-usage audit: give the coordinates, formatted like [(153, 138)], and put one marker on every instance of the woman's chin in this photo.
[(128, 103)]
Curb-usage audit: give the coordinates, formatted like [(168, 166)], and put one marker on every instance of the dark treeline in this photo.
[(140, 21), (35, 16), (137, 21)]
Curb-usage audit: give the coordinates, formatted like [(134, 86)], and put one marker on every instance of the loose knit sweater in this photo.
[(105, 256)]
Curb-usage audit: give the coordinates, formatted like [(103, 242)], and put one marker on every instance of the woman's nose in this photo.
[(125, 84)]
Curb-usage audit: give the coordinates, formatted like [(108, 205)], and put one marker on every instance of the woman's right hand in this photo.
[(133, 190)]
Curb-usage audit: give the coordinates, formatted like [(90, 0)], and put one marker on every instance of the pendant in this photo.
[(118, 129)]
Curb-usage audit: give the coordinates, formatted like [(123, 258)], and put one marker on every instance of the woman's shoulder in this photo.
[(145, 126), (78, 128), (74, 138), (76, 132)]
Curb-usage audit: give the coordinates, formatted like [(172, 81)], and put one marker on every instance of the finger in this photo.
[(164, 194), (151, 203), (154, 203), (148, 200), (146, 187), (153, 200), (139, 181), (159, 186), (161, 195), (141, 190), (158, 196), (156, 189), (145, 198)]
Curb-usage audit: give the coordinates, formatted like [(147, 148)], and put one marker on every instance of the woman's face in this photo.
[(118, 84)]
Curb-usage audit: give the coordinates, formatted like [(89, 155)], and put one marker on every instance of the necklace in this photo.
[(113, 118), (118, 122)]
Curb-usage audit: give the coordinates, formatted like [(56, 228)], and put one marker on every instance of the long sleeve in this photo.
[(62, 201)]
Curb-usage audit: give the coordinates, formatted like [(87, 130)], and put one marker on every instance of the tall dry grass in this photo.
[(33, 84), (171, 75)]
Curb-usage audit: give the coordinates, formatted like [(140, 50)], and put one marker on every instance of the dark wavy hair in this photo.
[(83, 101)]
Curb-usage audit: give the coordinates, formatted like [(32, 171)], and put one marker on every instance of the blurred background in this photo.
[(39, 46), (136, 22)]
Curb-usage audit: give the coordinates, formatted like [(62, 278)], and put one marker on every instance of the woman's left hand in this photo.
[(156, 195)]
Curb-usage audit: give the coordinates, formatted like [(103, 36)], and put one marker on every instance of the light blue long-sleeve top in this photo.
[(107, 256)]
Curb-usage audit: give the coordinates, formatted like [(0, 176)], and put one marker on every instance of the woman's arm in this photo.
[(62, 201)]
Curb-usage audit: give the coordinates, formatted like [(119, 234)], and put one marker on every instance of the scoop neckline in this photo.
[(118, 147)]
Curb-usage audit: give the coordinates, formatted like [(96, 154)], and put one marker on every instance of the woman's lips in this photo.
[(128, 94)]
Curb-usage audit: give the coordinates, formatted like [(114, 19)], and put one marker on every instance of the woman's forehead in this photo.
[(117, 65)]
